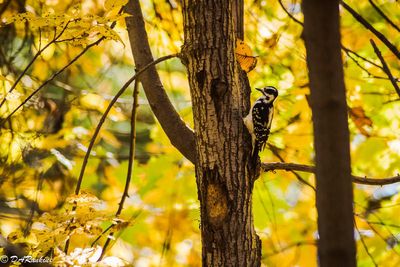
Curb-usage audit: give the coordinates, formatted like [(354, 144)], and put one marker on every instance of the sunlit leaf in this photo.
[(244, 56)]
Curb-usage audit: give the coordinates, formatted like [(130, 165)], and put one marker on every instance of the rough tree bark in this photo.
[(220, 99), (331, 136)]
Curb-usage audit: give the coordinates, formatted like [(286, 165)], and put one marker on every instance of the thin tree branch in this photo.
[(364, 244), (180, 135), (386, 67), (104, 116), (101, 122), (272, 166), (50, 79), (276, 153), (132, 149), (384, 224), (345, 49), (58, 72), (290, 246), (383, 15), (130, 162), (371, 28), (39, 52), (370, 75), (349, 51), (289, 14)]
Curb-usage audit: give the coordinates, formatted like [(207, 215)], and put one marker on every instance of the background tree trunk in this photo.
[(331, 137), (220, 99)]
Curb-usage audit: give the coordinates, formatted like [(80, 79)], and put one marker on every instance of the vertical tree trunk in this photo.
[(220, 99), (331, 137)]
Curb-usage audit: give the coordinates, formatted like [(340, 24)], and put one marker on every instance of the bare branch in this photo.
[(39, 52), (290, 246), (272, 166), (180, 135), (383, 15), (51, 79), (348, 51), (370, 75), (364, 244), (100, 124), (274, 151), (371, 28), (130, 162), (56, 73), (289, 14), (385, 67), (104, 116)]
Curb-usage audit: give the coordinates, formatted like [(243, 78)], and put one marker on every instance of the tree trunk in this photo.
[(220, 99), (331, 136)]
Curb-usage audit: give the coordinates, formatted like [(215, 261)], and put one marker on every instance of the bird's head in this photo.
[(270, 93)]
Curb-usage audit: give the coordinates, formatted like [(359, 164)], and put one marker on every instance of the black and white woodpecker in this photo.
[(259, 120)]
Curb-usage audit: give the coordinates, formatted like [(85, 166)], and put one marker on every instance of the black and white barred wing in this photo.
[(262, 117)]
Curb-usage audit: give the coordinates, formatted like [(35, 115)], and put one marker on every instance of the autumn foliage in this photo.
[(62, 63)]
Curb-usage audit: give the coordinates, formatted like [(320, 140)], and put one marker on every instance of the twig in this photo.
[(131, 148), (364, 244), (58, 72), (386, 67), (51, 79), (275, 152), (371, 28), (133, 217), (130, 162), (370, 75), (307, 168), (290, 246), (384, 224), (349, 51), (39, 52), (345, 49), (104, 116), (289, 14), (383, 15)]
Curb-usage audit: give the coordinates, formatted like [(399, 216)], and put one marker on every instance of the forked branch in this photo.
[(372, 29), (385, 67)]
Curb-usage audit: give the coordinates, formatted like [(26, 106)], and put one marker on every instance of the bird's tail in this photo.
[(254, 154)]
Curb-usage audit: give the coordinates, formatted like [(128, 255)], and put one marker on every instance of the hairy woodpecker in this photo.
[(259, 119)]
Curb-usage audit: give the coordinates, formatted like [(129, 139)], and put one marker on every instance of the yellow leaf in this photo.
[(244, 56), (93, 101), (110, 4), (357, 115), (272, 41)]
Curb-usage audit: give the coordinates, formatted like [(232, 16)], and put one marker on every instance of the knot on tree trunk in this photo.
[(216, 205)]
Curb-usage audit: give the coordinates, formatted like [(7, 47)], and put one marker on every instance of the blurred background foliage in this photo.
[(43, 144)]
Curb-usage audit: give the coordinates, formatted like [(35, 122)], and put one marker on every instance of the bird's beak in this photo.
[(258, 89)]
